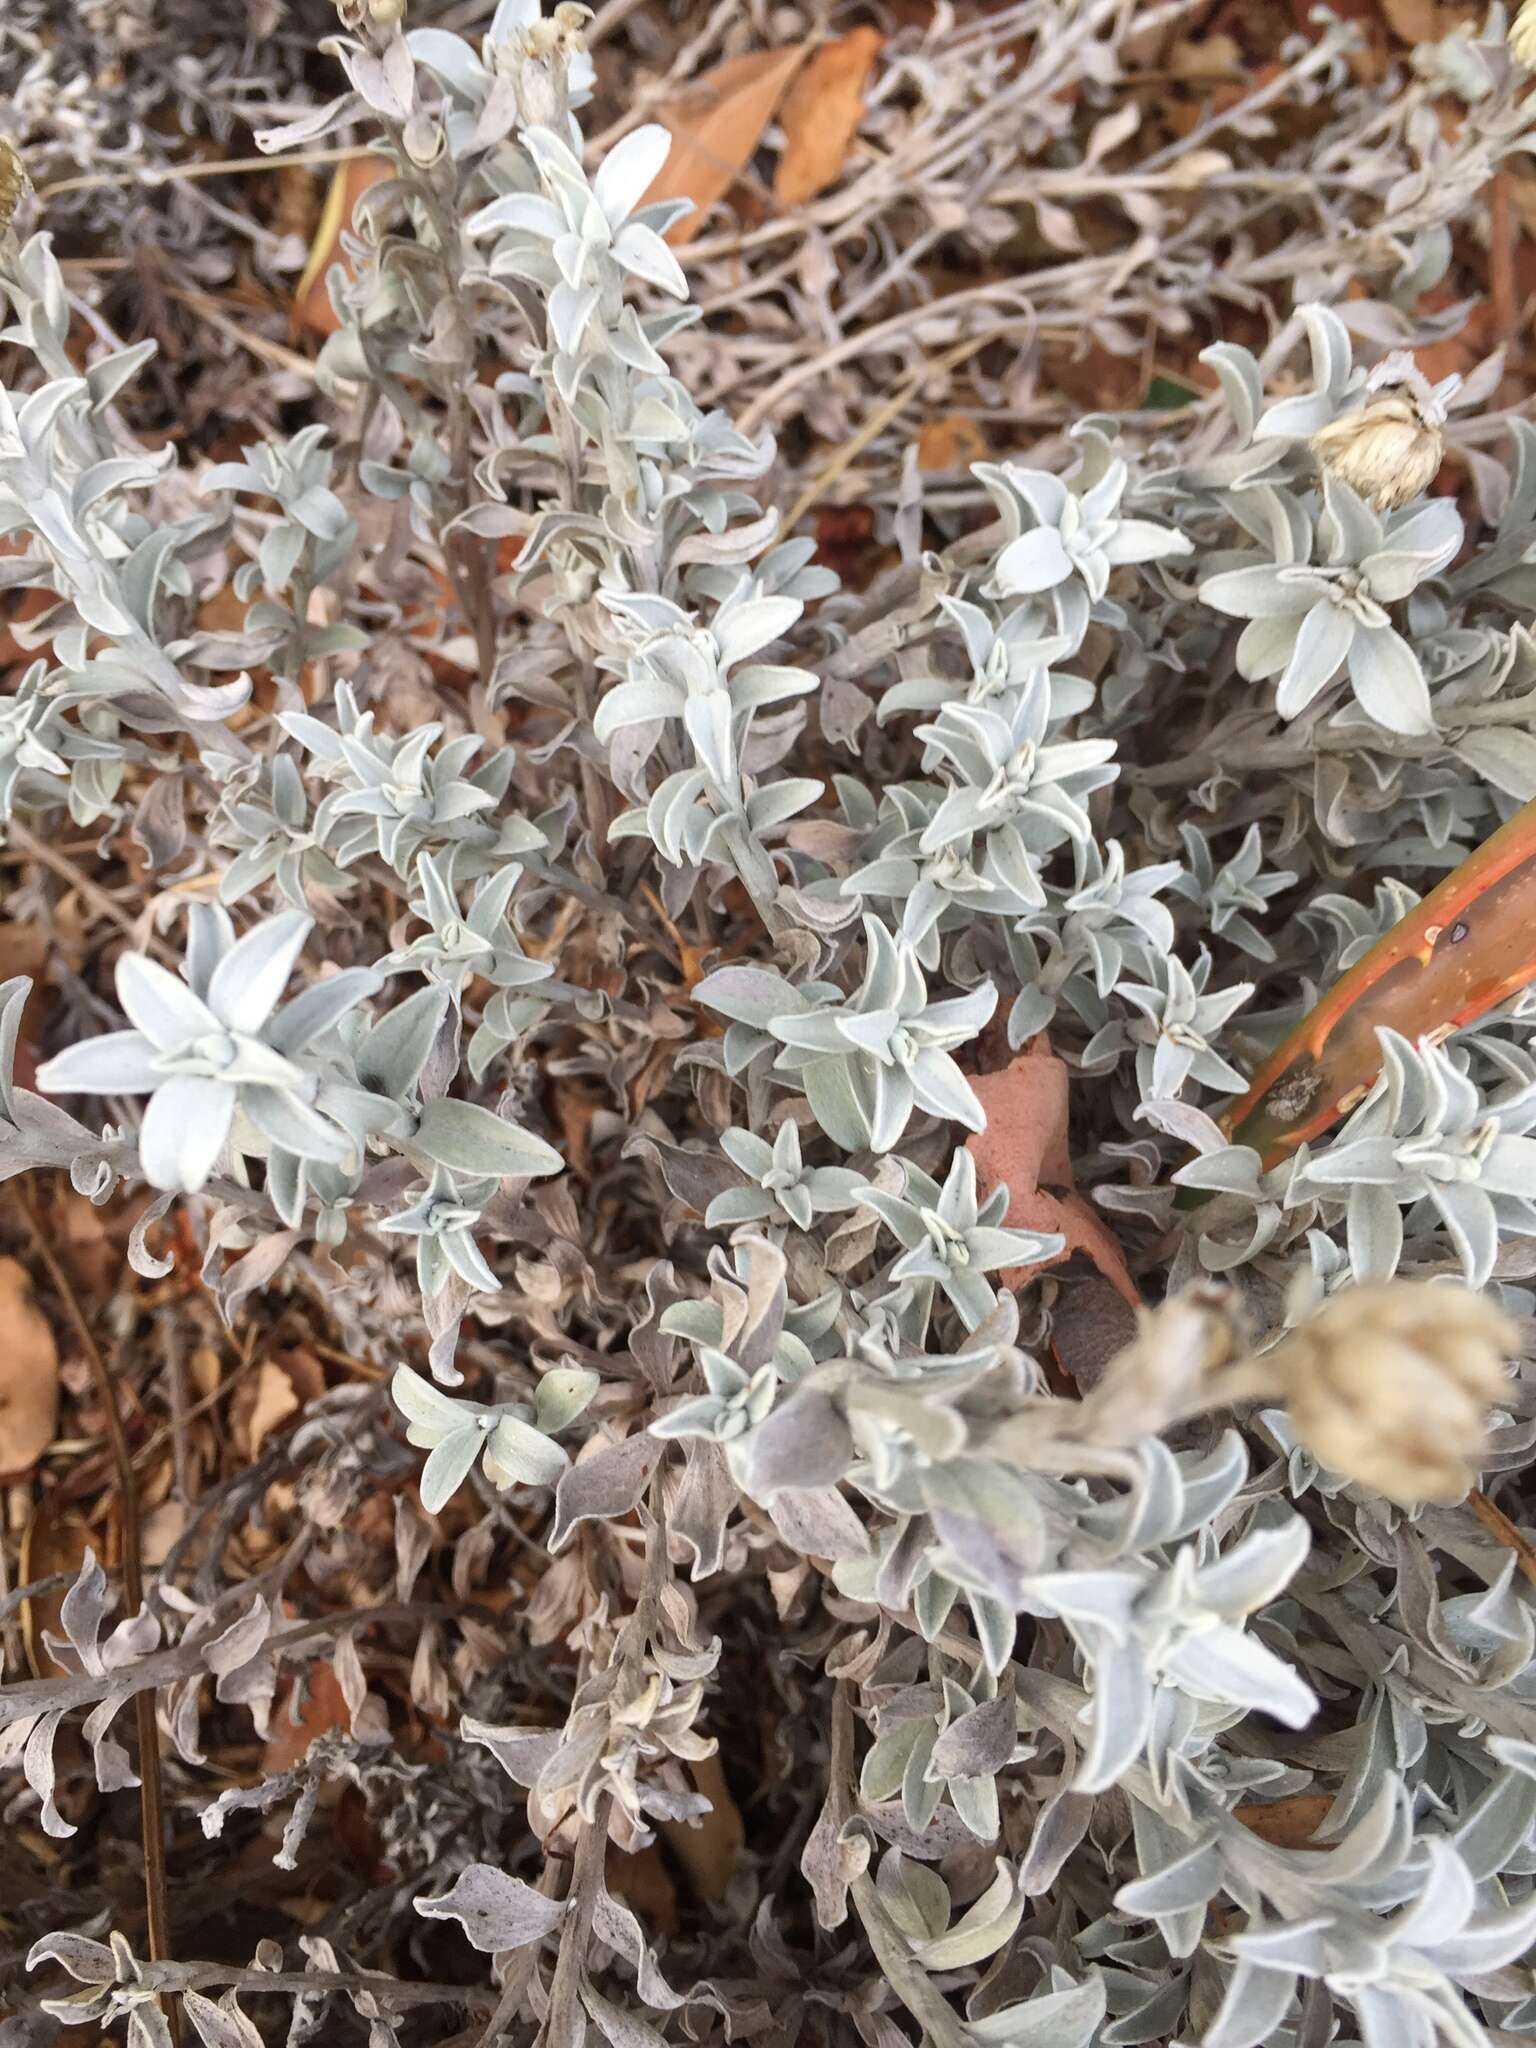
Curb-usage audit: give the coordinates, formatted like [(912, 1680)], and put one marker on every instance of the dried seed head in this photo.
[(1389, 1384), (13, 182), (1522, 36), (1387, 451), (540, 57)]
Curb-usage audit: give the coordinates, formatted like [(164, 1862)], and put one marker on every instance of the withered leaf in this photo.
[(717, 127), (29, 1374), (821, 116)]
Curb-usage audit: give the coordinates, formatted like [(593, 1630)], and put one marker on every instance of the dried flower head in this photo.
[(1522, 36), (541, 55), (1391, 449), (1389, 1385)]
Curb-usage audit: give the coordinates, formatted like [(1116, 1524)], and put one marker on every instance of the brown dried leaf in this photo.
[(312, 306), (716, 128), (952, 441), (55, 1542), (708, 1848), (1416, 21), (1206, 56), (271, 1402), (1286, 1823), (1025, 1144), (29, 1375), (822, 114)]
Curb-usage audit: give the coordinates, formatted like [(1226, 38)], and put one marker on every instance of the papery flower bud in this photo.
[(1387, 451), (1522, 36), (541, 54), (1389, 1385)]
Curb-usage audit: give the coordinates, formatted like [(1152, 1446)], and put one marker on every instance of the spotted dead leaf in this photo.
[(821, 116), (1025, 1146), (29, 1375), (716, 126)]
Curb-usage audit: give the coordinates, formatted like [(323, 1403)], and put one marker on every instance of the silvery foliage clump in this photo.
[(1045, 1633)]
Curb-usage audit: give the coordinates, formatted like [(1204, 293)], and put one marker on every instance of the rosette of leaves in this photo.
[(1427, 1140), (311, 544), (1013, 790), (932, 893), (1258, 1206), (66, 490), (442, 1222), (1077, 945), (1004, 655), (784, 1189), (693, 673), (950, 1735), (513, 1441), (36, 744), (864, 1061), (215, 1042), (578, 239), (734, 1402), (1174, 1034), (1143, 1628), (265, 813), (1065, 536), (1231, 895), (950, 1239), (1308, 619), (395, 796), (458, 944), (1348, 929), (748, 1314)]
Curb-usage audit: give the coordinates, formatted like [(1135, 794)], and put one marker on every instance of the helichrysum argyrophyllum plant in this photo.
[(643, 1034)]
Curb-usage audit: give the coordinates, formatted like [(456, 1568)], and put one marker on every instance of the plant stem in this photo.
[(910, 1982), (151, 1795)]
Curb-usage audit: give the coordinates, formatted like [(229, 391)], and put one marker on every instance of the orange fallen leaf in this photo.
[(1286, 1823), (323, 1707), (708, 1849), (53, 1544), (29, 1374), (717, 126), (1417, 21), (822, 114), (952, 441), (1024, 1146), (312, 306)]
